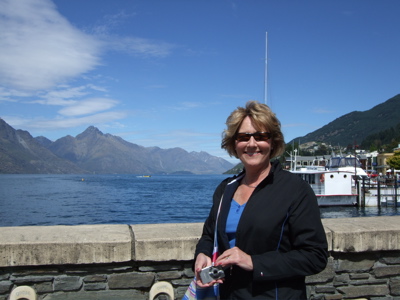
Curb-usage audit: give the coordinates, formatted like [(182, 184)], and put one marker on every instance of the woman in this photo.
[(270, 234)]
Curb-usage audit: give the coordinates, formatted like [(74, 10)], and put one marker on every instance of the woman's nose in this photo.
[(252, 141)]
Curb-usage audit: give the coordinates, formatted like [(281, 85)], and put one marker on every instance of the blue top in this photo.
[(232, 222)]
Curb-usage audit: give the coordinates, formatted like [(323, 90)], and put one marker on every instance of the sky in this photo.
[(168, 73)]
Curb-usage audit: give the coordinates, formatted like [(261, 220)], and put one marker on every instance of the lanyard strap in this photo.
[(215, 249)]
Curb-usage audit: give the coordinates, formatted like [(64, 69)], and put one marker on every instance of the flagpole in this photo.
[(266, 69)]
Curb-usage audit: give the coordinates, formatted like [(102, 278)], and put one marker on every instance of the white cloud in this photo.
[(40, 48), (62, 96), (88, 106), (46, 61), (139, 46), (10, 94), (66, 95), (135, 46), (62, 123)]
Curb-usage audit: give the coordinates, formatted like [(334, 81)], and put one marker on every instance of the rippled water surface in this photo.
[(121, 199)]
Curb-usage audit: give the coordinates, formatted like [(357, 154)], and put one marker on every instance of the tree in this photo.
[(288, 148), (394, 161), (322, 150)]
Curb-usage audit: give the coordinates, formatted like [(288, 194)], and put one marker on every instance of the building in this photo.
[(382, 166)]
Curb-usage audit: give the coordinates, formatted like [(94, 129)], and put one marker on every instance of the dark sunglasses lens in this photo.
[(258, 136), (243, 137), (261, 136)]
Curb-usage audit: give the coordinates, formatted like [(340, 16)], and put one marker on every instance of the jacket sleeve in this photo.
[(303, 250)]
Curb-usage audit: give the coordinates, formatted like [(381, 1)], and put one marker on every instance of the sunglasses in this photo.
[(258, 136)]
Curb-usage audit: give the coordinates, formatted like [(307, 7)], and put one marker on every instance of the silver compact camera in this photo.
[(211, 273)]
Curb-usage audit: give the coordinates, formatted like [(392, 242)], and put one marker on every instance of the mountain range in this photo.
[(95, 152), (355, 126)]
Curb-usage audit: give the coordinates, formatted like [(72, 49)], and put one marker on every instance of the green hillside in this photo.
[(356, 126)]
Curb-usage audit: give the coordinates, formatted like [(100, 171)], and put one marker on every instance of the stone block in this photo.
[(359, 276), (364, 291), (357, 263), (95, 278), (386, 271), (99, 295), (44, 287), (391, 259), (4, 276), (131, 280), (95, 286), (165, 242), (341, 279), (325, 289), (49, 245), (67, 283), (394, 286), (364, 234), (26, 280), (161, 276), (182, 282), (188, 273), (368, 282), (5, 286)]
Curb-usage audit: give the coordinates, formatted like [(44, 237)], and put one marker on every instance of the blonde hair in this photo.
[(262, 118)]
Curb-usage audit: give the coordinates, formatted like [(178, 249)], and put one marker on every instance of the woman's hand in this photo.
[(201, 262), (235, 256)]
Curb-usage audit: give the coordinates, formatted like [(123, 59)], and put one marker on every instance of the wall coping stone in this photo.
[(89, 244), (163, 242), (52, 245), (366, 234)]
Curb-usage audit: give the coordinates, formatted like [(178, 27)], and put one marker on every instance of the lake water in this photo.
[(121, 199)]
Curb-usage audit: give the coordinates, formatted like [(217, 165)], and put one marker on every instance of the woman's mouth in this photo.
[(252, 153)]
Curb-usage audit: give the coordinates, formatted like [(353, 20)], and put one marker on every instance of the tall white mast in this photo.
[(266, 69)]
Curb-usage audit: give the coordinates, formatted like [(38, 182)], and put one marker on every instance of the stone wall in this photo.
[(123, 262)]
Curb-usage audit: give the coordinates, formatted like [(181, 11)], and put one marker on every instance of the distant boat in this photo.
[(332, 188), (141, 176), (347, 163), (335, 184)]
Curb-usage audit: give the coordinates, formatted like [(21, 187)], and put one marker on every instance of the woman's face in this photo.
[(253, 153)]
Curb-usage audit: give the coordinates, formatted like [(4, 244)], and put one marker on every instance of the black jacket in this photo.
[(280, 228)]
